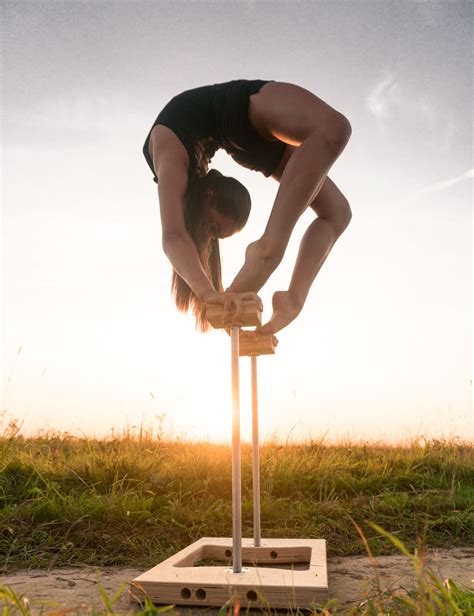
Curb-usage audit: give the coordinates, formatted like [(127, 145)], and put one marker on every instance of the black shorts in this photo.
[(216, 116)]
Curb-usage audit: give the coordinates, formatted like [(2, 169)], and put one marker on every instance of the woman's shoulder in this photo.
[(164, 144), (162, 137)]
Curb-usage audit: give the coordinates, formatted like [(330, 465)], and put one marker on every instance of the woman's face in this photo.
[(222, 226)]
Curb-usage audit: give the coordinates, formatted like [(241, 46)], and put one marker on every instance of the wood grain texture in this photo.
[(251, 315), (251, 343), (281, 573)]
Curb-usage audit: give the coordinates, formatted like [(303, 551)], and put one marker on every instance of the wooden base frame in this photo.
[(255, 573), (280, 573)]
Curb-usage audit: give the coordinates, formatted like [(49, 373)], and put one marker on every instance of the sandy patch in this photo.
[(351, 579)]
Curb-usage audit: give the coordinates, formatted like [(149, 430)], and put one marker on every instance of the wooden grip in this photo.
[(251, 315), (251, 343)]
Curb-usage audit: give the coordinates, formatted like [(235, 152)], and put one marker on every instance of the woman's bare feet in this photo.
[(285, 310)]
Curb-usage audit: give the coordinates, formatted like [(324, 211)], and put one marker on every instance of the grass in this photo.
[(136, 500)]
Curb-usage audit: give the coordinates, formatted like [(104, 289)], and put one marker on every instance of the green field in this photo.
[(131, 501)]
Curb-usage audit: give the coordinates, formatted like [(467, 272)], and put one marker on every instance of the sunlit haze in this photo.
[(91, 338)]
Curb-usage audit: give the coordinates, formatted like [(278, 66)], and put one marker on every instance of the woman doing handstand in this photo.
[(280, 129)]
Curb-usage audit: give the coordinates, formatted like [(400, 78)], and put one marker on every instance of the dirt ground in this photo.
[(351, 579)]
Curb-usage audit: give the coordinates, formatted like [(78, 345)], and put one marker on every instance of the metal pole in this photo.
[(236, 487), (255, 456)]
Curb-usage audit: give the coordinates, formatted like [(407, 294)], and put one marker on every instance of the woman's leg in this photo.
[(320, 133), (333, 216)]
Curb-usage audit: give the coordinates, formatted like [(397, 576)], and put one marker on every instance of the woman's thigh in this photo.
[(289, 113), (276, 175), (328, 202)]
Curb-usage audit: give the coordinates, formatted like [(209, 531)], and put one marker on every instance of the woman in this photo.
[(280, 129)]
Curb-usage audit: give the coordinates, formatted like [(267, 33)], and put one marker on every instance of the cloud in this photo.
[(434, 187), (389, 101), (380, 98), (442, 185)]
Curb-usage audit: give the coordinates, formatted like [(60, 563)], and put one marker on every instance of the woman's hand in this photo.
[(232, 303)]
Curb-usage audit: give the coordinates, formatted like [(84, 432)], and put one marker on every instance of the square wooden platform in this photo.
[(282, 573)]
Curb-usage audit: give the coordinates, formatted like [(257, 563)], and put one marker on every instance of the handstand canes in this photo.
[(279, 573)]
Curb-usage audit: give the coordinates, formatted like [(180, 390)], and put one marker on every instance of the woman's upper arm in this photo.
[(172, 186), (172, 168)]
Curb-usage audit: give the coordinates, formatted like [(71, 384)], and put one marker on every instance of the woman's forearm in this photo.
[(184, 257)]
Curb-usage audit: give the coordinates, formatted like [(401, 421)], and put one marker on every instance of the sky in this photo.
[(91, 340)]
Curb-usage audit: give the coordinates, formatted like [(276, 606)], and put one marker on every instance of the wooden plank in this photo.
[(251, 343), (275, 577), (251, 315)]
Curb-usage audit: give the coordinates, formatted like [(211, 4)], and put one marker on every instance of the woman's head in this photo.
[(217, 206), (224, 203)]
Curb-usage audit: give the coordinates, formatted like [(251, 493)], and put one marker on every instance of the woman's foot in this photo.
[(285, 309)]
